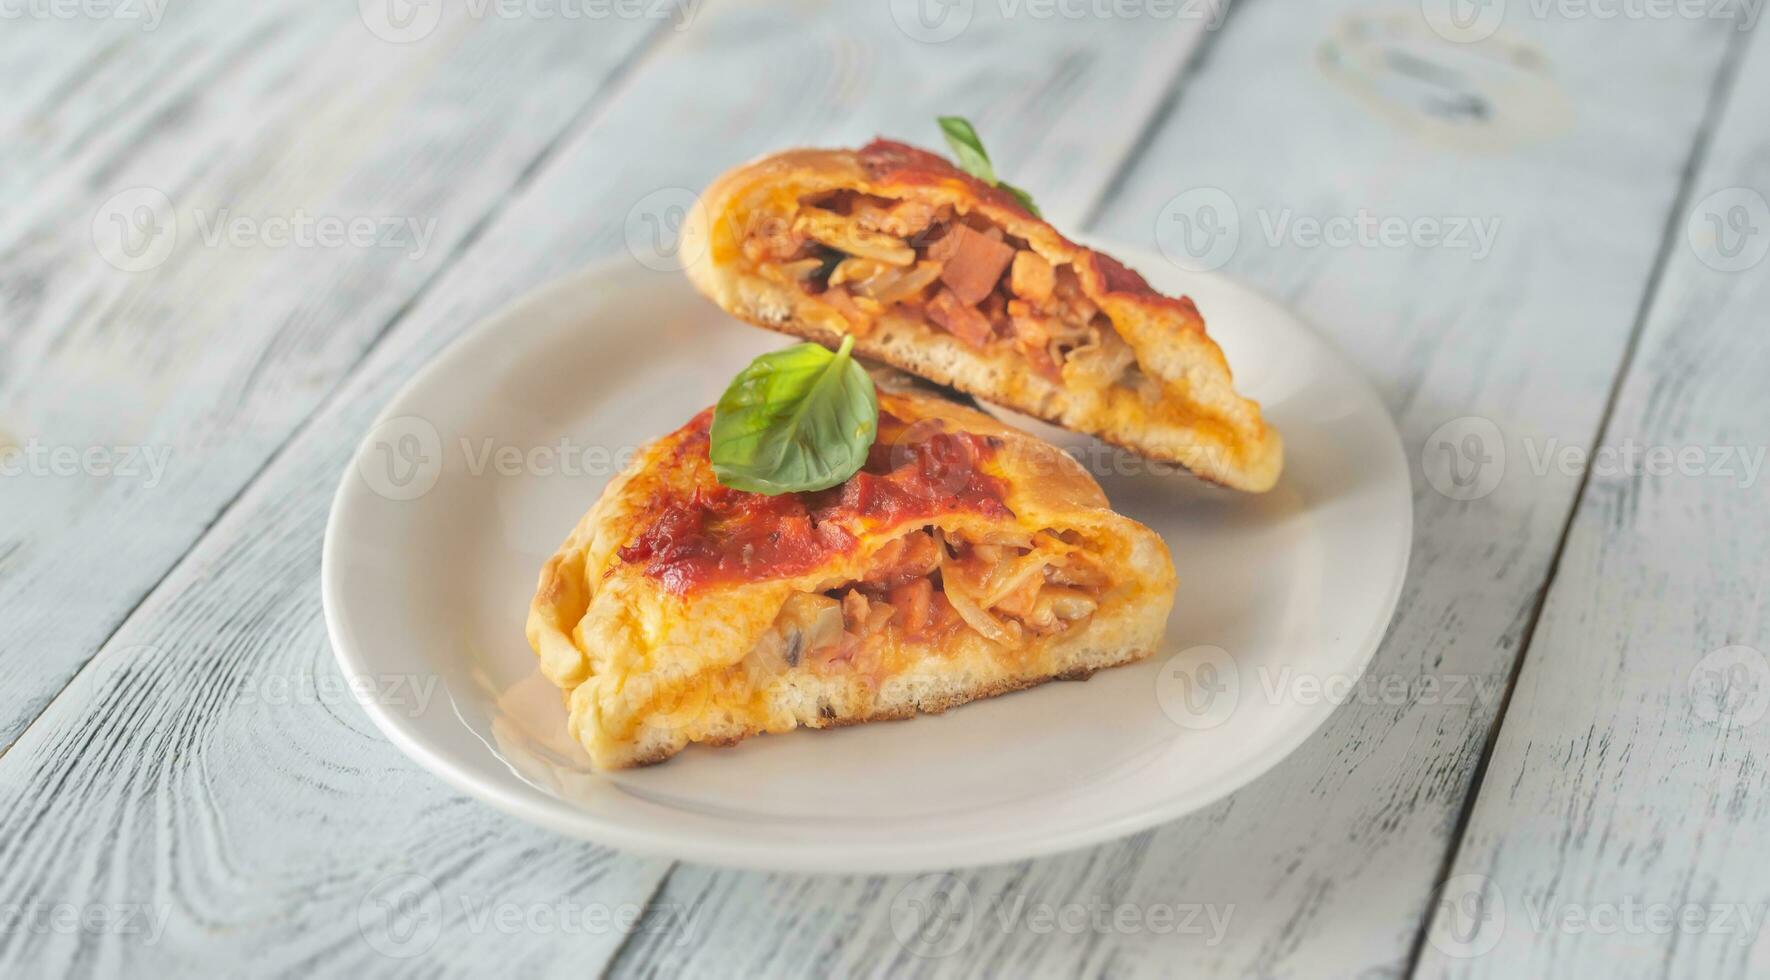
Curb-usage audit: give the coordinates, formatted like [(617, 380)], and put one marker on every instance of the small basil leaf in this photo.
[(968, 148), (1024, 198), (962, 137), (796, 419)]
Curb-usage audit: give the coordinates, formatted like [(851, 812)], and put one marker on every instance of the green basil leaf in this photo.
[(968, 148), (1024, 198), (796, 419), (962, 137)]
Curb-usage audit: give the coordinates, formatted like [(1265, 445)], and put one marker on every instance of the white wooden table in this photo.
[(229, 231)]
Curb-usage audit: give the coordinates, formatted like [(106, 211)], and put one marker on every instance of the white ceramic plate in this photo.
[(477, 471)]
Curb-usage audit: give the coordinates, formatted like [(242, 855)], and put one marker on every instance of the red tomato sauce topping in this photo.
[(720, 535), (889, 161)]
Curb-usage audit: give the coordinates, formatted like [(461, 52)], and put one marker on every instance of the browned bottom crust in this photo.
[(905, 710)]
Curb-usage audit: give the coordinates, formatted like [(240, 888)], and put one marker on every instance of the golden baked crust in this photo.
[(1198, 420), (649, 664)]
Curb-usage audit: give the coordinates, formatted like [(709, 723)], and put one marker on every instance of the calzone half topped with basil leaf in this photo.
[(953, 276), (961, 560)]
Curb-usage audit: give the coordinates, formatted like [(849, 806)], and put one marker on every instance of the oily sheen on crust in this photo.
[(649, 667), (1197, 420)]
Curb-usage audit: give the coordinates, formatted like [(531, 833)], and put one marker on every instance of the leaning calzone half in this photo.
[(944, 276), (964, 560)]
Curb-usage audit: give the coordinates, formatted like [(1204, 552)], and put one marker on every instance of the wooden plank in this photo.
[(1325, 866), (93, 96), (239, 236), (81, 83), (260, 829), (1623, 824)]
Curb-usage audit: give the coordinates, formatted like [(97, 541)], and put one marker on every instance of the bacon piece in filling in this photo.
[(960, 320), (971, 262)]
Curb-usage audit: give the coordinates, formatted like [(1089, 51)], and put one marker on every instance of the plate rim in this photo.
[(914, 855)]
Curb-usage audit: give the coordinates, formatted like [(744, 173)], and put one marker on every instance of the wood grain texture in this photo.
[(1623, 824), (99, 101), (145, 81), (183, 368), (1325, 866), (198, 761)]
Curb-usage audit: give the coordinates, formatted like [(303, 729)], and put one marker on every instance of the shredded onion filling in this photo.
[(927, 584)]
